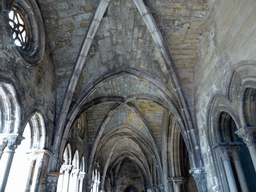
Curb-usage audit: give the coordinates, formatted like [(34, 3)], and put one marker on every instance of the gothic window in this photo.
[(25, 26), (17, 180), (26, 166), (20, 27), (65, 170), (95, 180)]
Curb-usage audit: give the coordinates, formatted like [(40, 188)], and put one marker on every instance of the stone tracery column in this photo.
[(60, 180), (81, 181), (74, 180), (238, 166), (223, 152), (66, 177), (11, 141), (248, 134), (6, 162)]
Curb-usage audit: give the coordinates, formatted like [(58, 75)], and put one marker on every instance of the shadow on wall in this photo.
[(131, 188)]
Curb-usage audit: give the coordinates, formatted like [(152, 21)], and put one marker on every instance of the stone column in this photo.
[(81, 179), (36, 179), (60, 180), (200, 178), (66, 177), (178, 181), (52, 180), (238, 166), (223, 152), (5, 166), (74, 180), (248, 134)]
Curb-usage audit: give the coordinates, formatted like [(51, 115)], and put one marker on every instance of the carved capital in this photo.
[(248, 134), (75, 172), (222, 151), (81, 175), (3, 143), (199, 175), (178, 180), (66, 168)]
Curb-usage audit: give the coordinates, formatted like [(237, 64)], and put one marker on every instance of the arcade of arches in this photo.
[(127, 95)]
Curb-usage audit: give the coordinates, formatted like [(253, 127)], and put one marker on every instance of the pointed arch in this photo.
[(9, 109), (156, 35)]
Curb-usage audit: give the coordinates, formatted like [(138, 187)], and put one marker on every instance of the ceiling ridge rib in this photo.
[(159, 42), (77, 70)]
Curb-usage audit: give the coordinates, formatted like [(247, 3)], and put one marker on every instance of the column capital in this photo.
[(222, 149), (178, 180), (248, 134), (10, 139), (75, 172), (81, 175), (3, 144), (66, 167), (199, 175)]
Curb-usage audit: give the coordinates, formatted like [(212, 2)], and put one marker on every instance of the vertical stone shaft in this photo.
[(5, 166), (239, 170)]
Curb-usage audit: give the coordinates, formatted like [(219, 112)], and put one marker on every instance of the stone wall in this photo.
[(229, 36), (35, 85)]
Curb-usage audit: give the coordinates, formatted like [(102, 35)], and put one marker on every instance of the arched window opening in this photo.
[(178, 160), (9, 128), (74, 173), (19, 26), (20, 169), (230, 153), (95, 180), (65, 170), (28, 160), (81, 175)]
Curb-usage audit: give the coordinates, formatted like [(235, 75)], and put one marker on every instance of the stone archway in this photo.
[(131, 188)]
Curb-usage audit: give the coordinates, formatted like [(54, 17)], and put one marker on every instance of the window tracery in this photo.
[(25, 27), (20, 27)]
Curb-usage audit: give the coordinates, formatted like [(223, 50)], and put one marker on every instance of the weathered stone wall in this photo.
[(229, 36), (66, 24), (35, 85)]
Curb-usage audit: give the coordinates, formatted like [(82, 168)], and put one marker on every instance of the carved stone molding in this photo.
[(248, 134)]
